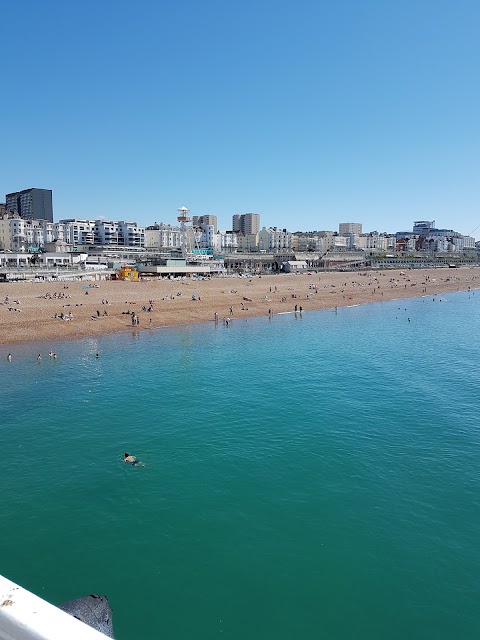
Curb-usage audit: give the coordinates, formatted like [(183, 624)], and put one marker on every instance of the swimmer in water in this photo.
[(132, 460)]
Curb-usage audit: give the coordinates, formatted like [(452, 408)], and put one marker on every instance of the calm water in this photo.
[(306, 478)]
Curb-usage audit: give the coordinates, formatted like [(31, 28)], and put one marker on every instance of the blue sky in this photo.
[(309, 113)]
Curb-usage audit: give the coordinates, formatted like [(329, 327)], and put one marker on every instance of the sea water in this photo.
[(313, 476)]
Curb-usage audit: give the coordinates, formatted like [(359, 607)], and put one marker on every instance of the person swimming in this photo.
[(132, 460)]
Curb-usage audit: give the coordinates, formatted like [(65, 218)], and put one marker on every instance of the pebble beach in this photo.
[(58, 311)]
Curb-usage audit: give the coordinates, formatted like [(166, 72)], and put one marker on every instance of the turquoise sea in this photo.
[(307, 477)]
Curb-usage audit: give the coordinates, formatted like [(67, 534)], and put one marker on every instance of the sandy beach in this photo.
[(57, 311)]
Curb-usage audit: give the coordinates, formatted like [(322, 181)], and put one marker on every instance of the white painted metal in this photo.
[(25, 616)]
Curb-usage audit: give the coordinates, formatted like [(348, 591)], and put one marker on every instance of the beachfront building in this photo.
[(465, 243), (206, 237), (321, 242), (422, 227), (12, 233), (200, 221), (405, 243), (18, 234), (59, 257), (352, 231), (119, 233), (31, 204), (227, 241), (305, 242), (376, 243), (425, 237), (431, 239), (446, 240), (80, 231), (246, 223), (295, 266), (248, 243), (202, 235), (275, 240), (160, 237), (103, 232), (348, 228)]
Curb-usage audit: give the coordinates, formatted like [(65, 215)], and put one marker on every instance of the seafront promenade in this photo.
[(57, 311)]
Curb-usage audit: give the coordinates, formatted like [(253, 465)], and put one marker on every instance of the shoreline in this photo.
[(28, 310)]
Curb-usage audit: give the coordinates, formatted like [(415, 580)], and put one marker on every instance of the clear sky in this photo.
[(310, 112)]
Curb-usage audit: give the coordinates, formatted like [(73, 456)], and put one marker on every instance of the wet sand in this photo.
[(29, 313)]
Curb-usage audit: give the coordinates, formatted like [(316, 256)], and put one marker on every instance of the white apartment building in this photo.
[(227, 241), (17, 234), (217, 241), (464, 242), (79, 231), (12, 230), (446, 240), (207, 238), (131, 234), (104, 232), (376, 242), (275, 240), (162, 236)]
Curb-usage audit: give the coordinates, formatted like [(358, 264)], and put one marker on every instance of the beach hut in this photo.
[(128, 273), (294, 266)]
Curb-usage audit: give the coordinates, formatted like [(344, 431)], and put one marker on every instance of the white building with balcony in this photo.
[(376, 242), (273, 240), (162, 236)]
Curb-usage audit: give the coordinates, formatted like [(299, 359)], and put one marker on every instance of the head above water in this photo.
[(126, 455)]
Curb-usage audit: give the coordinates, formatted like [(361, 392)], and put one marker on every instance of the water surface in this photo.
[(306, 477)]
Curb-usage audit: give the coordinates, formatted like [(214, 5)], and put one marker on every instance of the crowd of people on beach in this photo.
[(55, 296), (239, 302)]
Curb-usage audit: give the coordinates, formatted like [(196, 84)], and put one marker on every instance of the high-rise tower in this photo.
[(31, 204)]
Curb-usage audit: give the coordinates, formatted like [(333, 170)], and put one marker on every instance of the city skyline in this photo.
[(237, 221), (315, 113)]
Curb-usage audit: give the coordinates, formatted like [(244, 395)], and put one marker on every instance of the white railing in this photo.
[(25, 616)]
